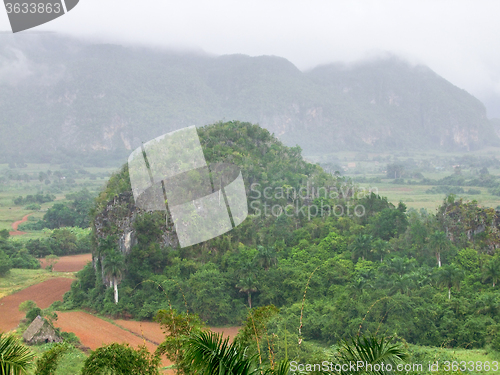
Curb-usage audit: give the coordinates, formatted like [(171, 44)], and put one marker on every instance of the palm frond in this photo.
[(282, 369), (372, 350), (15, 358), (210, 354)]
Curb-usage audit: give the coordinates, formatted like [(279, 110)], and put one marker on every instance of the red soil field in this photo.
[(230, 332), (44, 294), (94, 332), (153, 332), (16, 224), (70, 263), (149, 330)]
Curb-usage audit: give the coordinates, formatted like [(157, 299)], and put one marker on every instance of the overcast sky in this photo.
[(459, 40)]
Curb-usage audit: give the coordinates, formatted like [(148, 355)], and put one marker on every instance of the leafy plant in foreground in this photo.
[(47, 364), (372, 350), (15, 358)]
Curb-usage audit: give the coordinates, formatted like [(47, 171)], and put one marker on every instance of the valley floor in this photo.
[(92, 331)]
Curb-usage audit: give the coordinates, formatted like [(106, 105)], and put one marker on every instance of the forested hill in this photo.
[(62, 97), (431, 279)]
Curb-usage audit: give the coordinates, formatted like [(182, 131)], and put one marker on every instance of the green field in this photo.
[(70, 363), (434, 166), (458, 357), (11, 189), (18, 279), (414, 196)]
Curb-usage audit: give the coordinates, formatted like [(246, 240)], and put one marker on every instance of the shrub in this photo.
[(473, 191), (5, 264), (27, 306), (33, 313), (33, 206)]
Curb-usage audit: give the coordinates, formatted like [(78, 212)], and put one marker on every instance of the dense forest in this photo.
[(367, 266)]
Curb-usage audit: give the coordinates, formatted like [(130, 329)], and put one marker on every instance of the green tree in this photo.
[(121, 359), (255, 326), (247, 285), (60, 215), (65, 241), (4, 233), (380, 248), (5, 264), (491, 270), (177, 327), (395, 171), (450, 276), (82, 202), (113, 269), (266, 257), (439, 242), (209, 295), (402, 284), (361, 246), (27, 306), (15, 358), (47, 363), (51, 261), (389, 222)]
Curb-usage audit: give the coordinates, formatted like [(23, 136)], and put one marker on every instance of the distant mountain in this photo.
[(63, 98)]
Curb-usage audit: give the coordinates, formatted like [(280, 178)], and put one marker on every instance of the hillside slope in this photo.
[(63, 98)]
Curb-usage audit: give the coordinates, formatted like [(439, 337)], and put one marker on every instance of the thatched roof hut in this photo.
[(40, 331)]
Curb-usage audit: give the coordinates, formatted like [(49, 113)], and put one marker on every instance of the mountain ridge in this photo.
[(63, 98)]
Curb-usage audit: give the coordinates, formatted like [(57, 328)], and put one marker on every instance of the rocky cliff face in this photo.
[(117, 219)]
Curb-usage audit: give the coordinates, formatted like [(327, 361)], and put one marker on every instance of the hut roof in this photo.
[(34, 328)]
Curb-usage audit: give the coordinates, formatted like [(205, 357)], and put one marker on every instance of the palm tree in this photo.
[(439, 242), (266, 257), (402, 284), (491, 271), (113, 268), (361, 246), (360, 284), (400, 265), (380, 247), (372, 350), (208, 353), (450, 276), (15, 358), (247, 285)]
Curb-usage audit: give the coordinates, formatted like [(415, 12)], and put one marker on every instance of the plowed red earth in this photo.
[(153, 332), (230, 332), (94, 332), (15, 224), (149, 330), (70, 263), (44, 294)]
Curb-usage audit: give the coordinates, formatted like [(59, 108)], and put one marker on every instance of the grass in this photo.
[(415, 196), (19, 279), (71, 363), (11, 189), (440, 355), (438, 165)]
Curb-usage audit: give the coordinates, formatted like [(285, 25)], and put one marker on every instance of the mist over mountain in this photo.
[(64, 98)]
